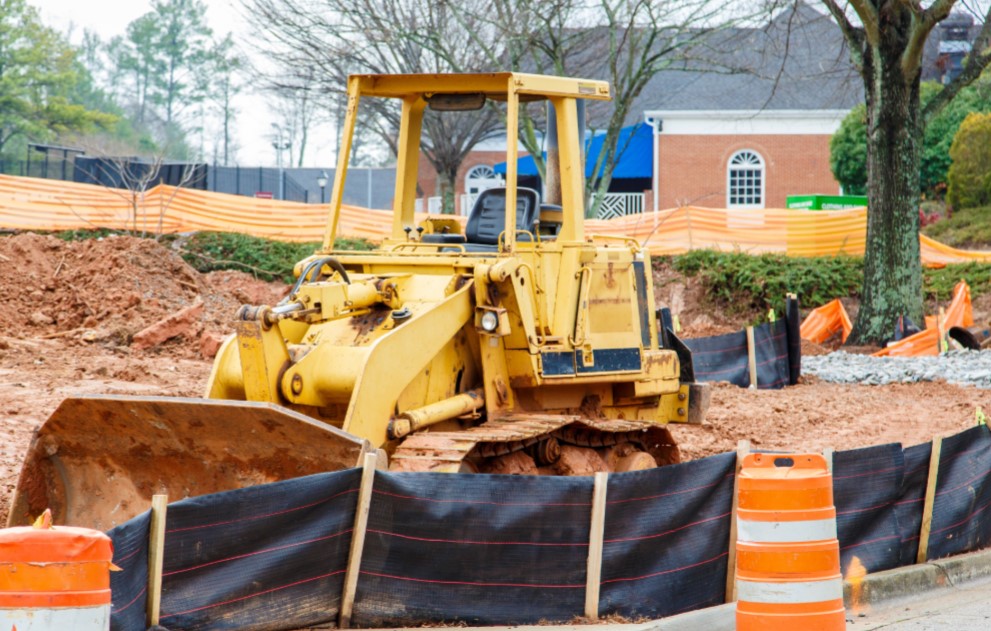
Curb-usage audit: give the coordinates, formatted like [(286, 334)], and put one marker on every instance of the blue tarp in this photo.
[(636, 155)]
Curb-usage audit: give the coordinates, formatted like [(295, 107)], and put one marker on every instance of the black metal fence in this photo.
[(367, 187)]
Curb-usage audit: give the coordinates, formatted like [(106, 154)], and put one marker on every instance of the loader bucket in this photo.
[(97, 460)]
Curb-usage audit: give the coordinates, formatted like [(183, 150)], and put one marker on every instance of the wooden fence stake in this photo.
[(927, 508), (596, 533), (827, 454), (742, 450), (357, 539), (752, 357), (156, 556)]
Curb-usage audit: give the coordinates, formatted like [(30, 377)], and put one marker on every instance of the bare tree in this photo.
[(377, 36), (301, 104), (886, 40), (129, 177), (227, 86), (627, 42)]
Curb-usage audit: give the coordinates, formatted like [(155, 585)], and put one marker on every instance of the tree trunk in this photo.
[(892, 268), (447, 182)]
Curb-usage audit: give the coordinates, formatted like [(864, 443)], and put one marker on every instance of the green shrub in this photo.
[(744, 283), (848, 152), (970, 172), (265, 258), (750, 285), (938, 284)]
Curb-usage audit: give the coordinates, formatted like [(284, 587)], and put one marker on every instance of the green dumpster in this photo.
[(825, 202)]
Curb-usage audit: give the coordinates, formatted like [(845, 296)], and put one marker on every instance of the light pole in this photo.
[(279, 148), (322, 183)]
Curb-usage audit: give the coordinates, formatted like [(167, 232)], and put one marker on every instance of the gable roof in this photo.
[(799, 61)]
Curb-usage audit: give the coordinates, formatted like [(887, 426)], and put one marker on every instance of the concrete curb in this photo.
[(913, 579)]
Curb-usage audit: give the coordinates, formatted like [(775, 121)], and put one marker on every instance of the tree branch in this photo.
[(853, 35), (977, 61), (867, 12), (923, 22)]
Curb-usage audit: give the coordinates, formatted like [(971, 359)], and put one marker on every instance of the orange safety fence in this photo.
[(823, 322), (931, 341), (38, 204)]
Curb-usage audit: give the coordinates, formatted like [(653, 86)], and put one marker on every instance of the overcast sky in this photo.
[(253, 126)]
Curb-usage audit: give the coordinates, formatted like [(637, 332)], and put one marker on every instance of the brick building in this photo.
[(750, 137), (751, 123), (742, 159)]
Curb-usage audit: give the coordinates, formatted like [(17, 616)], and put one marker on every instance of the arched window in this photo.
[(481, 177), (745, 180)]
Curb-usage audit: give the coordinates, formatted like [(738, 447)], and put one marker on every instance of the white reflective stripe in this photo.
[(43, 619), (796, 592), (785, 531)]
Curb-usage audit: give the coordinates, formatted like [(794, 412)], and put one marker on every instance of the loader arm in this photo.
[(397, 358)]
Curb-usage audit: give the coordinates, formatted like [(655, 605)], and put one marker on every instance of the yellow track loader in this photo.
[(515, 343)]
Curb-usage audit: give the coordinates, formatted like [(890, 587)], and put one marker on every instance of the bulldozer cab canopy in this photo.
[(462, 92), (495, 85)]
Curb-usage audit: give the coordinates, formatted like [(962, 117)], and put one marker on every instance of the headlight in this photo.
[(490, 321)]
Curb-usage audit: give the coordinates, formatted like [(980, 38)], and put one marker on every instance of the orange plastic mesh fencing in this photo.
[(38, 204), (824, 322), (931, 340)]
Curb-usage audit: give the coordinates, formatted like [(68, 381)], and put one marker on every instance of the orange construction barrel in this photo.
[(788, 557), (54, 579)]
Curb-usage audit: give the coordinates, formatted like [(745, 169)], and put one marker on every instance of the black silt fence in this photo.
[(866, 488), (960, 520), (480, 549), (129, 586), (666, 534), (264, 557), (911, 498), (514, 550), (777, 350)]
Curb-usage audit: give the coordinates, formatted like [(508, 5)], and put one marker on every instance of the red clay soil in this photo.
[(68, 311)]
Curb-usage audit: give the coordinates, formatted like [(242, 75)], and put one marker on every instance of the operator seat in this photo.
[(488, 218)]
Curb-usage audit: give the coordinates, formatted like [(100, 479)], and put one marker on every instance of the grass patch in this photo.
[(746, 284), (938, 284), (265, 258), (968, 228)]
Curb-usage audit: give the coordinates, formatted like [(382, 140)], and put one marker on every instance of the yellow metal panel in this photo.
[(263, 356), (673, 408), (407, 165), (495, 84), (226, 380), (337, 193), (572, 171), (403, 85), (397, 358), (562, 87), (512, 156)]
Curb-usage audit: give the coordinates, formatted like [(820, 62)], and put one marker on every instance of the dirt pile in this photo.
[(104, 291)]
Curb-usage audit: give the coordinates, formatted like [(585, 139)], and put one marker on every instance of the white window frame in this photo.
[(480, 175), (736, 163)]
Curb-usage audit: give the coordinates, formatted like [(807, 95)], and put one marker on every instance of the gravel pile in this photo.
[(960, 367)]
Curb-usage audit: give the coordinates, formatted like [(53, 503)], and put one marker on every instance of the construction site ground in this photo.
[(69, 313)]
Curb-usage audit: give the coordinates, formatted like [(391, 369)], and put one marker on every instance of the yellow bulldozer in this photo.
[(515, 343)]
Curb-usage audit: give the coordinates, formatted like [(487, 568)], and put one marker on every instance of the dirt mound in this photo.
[(685, 296), (106, 290)]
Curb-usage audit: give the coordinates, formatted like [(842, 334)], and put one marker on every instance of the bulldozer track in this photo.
[(450, 451)]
